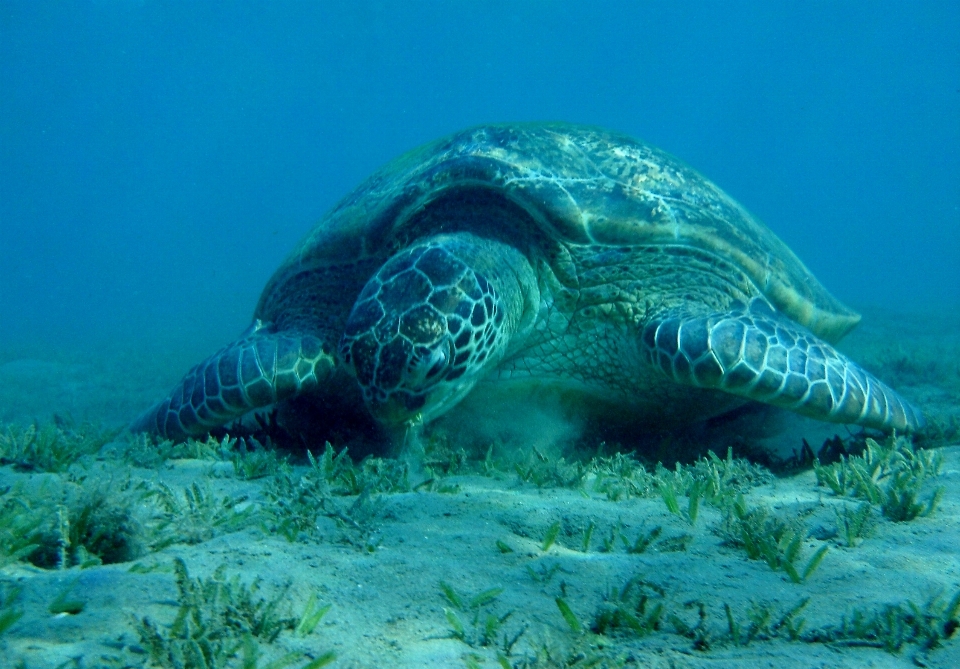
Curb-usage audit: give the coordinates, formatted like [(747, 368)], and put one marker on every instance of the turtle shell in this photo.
[(576, 185)]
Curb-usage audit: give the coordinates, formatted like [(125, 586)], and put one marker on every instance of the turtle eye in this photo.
[(428, 367), (440, 358)]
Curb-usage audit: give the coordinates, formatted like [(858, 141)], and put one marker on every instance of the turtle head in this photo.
[(424, 329)]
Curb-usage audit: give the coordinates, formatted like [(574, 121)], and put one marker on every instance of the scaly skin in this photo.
[(256, 371), (434, 319), (553, 258), (754, 353)]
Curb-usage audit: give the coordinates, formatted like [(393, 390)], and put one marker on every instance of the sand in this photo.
[(383, 579)]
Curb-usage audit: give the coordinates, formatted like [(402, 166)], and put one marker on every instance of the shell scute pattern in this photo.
[(612, 239), (581, 186)]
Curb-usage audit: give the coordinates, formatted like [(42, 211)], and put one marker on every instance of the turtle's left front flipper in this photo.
[(256, 371), (758, 354)]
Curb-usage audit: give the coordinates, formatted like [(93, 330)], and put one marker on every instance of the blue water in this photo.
[(158, 160)]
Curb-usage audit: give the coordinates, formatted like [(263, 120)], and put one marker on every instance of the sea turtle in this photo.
[(524, 261)]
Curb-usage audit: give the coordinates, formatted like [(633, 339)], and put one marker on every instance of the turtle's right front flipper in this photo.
[(253, 372)]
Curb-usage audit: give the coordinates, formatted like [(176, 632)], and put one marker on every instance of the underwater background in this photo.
[(159, 160)]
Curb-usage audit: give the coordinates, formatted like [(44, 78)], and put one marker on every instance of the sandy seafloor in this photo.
[(387, 606)]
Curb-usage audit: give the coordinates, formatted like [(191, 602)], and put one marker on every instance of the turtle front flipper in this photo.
[(256, 371), (757, 354)]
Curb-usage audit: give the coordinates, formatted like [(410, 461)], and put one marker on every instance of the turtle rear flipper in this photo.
[(254, 372), (757, 354)]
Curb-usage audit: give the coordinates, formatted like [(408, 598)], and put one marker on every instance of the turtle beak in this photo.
[(398, 408)]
